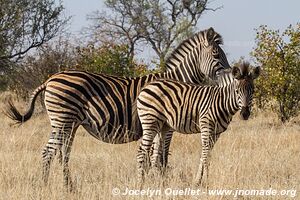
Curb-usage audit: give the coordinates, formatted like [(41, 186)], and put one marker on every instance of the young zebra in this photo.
[(165, 106), (106, 106)]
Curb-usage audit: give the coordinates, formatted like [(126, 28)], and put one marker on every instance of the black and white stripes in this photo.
[(165, 106), (106, 106)]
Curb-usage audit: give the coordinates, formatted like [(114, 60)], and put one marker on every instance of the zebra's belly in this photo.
[(220, 129), (186, 130), (118, 134)]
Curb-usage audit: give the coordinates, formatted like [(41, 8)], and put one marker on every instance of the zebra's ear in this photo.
[(210, 35), (255, 72), (236, 73)]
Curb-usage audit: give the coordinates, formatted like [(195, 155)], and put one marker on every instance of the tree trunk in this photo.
[(162, 63)]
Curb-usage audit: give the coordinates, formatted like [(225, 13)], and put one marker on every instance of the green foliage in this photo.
[(108, 59), (279, 55)]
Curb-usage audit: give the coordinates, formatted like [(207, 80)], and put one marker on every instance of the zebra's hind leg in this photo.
[(143, 153), (156, 166), (156, 152), (65, 153), (59, 156), (166, 146), (160, 153), (60, 140), (54, 144)]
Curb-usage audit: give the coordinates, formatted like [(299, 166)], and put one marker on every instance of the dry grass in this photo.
[(255, 154)]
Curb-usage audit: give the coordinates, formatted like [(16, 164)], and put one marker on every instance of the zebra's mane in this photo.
[(226, 76), (200, 38), (244, 68)]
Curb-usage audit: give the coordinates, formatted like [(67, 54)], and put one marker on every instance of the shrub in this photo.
[(108, 59), (278, 53)]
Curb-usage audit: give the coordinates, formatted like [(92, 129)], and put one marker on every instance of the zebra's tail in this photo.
[(13, 113)]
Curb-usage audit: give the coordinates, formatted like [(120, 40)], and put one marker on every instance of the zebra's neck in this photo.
[(174, 74), (184, 62), (225, 78), (229, 98)]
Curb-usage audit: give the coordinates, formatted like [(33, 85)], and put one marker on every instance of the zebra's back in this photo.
[(176, 103), (102, 104)]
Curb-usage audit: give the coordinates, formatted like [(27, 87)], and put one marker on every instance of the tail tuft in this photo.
[(14, 114)]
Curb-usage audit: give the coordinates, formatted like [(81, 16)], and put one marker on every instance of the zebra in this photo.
[(106, 105), (165, 106)]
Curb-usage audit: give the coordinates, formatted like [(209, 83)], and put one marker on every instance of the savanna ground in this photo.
[(257, 154)]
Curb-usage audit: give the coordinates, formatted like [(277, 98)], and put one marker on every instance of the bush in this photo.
[(280, 79), (35, 69), (108, 59)]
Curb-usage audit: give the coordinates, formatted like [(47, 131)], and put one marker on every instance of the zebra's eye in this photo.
[(217, 56), (215, 51)]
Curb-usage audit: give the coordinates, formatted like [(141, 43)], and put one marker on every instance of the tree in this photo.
[(156, 22), (27, 24), (278, 53), (47, 60)]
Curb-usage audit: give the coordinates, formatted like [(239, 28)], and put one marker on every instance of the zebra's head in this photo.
[(199, 58), (244, 76), (212, 59)]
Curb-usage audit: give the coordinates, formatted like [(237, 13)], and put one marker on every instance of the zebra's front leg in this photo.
[(208, 139)]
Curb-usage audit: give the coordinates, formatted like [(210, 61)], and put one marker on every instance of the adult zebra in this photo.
[(165, 106), (106, 105)]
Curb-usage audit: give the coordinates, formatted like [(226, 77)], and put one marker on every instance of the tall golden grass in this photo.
[(256, 154)]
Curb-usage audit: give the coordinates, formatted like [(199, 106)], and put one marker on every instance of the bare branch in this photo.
[(158, 23), (26, 25)]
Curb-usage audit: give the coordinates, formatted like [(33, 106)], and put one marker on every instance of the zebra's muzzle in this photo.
[(219, 71), (245, 112)]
